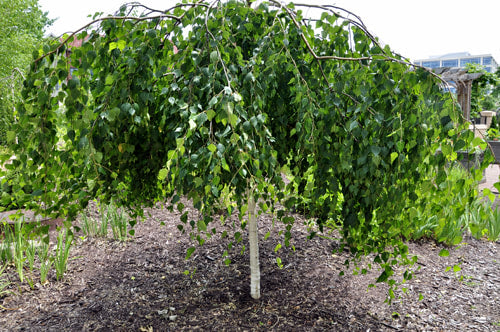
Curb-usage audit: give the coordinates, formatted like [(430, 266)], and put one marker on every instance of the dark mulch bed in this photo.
[(140, 285)]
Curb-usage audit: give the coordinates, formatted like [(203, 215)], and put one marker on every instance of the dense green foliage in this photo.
[(22, 26), (218, 101), (485, 90)]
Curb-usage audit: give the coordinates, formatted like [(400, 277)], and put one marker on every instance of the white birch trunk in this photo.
[(253, 239)]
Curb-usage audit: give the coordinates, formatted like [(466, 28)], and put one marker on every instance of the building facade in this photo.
[(460, 60)]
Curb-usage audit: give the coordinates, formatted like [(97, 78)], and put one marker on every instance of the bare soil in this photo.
[(140, 285)]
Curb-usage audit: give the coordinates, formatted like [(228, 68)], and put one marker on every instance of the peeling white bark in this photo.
[(253, 239)]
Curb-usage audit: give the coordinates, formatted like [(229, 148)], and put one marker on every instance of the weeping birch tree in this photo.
[(220, 99)]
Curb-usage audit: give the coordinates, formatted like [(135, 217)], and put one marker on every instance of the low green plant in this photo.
[(4, 284), (118, 221), (19, 247), (103, 226), (30, 253), (46, 261), (6, 254), (62, 251), (90, 226), (493, 134), (492, 225)]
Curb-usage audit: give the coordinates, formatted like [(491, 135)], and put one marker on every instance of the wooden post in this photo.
[(463, 81), (464, 91)]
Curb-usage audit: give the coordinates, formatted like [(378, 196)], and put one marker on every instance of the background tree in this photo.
[(485, 90), (216, 101), (22, 27)]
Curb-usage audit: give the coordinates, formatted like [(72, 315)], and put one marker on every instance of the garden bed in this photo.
[(140, 285)]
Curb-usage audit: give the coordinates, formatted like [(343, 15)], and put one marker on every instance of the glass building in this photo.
[(460, 60)]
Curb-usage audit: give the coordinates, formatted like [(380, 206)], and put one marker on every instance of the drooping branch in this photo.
[(360, 24), (162, 16), (215, 41)]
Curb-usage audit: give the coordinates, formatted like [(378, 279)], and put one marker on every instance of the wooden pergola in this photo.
[(463, 82)]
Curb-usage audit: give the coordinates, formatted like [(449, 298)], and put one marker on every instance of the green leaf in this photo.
[(279, 262), (375, 150), (444, 253), (202, 226), (98, 157), (394, 155), (192, 124), (233, 119), (189, 252), (11, 136), (113, 113), (162, 174), (37, 192), (121, 44), (210, 115), (383, 277), (353, 125), (212, 148), (109, 79), (225, 166), (212, 101), (201, 118), (214, 56)]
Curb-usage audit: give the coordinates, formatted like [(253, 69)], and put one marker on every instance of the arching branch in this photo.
[(146, 18)]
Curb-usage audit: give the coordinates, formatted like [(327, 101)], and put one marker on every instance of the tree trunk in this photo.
[(253, 238)]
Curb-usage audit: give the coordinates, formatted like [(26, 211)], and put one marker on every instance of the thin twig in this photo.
[(215, 40)]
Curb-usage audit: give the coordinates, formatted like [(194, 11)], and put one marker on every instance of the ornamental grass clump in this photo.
[(63, 246)]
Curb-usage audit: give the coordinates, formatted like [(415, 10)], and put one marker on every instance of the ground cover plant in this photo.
[(216, 102)]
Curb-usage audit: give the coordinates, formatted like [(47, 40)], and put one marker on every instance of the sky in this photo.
[(415, 29)]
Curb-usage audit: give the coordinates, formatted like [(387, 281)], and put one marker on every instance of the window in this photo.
[(431, 64), (487, 60), (450, 63), (488, 69), (463, 62)]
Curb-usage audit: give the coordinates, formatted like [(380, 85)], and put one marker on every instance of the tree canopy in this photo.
[(22, 26), (219, 102)]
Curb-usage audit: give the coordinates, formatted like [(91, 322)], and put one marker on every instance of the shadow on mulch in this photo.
[(145, 284)]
